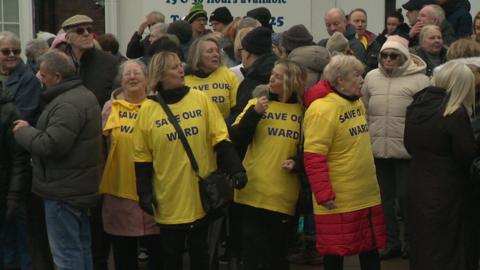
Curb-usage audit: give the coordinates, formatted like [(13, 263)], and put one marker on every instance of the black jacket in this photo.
[(430, 66), (459, 17), (137, 47), (442, 149), (15, 172), (66, 145), (258, 74), (98, 70)]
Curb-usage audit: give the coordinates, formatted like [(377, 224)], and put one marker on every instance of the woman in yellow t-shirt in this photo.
[(270, 128), (339, 164), (206, 72), (167, 183), (123, 218)]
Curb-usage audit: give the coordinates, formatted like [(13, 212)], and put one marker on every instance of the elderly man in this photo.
[(433, 14), (336, 21), (138, 47), (66, 152), (96, 68)]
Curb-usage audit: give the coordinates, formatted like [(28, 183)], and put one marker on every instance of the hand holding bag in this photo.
[(216, 192)]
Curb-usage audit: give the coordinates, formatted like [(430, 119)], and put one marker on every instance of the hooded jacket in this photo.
[(314, 59), (66, 145), (386, 98)]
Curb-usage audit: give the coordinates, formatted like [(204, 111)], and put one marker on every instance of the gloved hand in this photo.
[(239, 180), (146, 203), (12, 206)]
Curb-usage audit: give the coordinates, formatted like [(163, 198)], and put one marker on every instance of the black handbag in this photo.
[(216, 191)]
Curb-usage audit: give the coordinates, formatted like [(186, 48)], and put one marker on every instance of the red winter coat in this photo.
[(345, 233)]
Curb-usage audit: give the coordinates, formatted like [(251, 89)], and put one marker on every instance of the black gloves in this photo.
[(144, 174), (239, 180)]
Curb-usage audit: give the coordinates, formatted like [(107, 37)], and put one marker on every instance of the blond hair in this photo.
[(159, 63), (237, 44), (195, 52), (463, 48), (294, 80), (427, 29), (459, 82), (341, 66)]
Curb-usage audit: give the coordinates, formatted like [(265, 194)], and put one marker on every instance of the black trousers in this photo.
[(265, 239), (173, 246), (100, 239), (125, 251), (369, 260)]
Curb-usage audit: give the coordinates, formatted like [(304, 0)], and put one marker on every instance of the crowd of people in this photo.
[(332, 147)]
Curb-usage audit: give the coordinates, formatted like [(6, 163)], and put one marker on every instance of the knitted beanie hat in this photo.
[(221, 14), (296, 36), (337, 43), (261, 14), (258, 41), (195, 12), (397, 42)]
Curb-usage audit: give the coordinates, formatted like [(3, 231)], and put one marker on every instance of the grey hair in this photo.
[(9, 36), (341, 66), (56, 61), (158, 15), (35, 48), (160, 27), (437, 12), (121, 68), (248, 22), (337, 10), (427, 29)]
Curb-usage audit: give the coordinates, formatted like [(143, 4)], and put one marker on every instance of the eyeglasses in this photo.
[(392, 56), (81, 30), (8, 51)]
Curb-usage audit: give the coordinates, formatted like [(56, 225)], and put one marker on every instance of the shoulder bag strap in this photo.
[(180, 133)]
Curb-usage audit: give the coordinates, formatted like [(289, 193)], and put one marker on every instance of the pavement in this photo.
[(352, 263)]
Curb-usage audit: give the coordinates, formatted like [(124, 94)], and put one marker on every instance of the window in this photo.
[(10, 16)]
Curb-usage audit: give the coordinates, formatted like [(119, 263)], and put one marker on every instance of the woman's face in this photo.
[(173, 77), (9, 56), (133, 79), (432, 42), (351, 84), (477, 30), (198, 25), (276, 80), (392, 24), (390, 59), (210, 56)]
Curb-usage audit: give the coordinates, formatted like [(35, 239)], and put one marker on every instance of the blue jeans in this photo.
[(14, 250), (69, 236)]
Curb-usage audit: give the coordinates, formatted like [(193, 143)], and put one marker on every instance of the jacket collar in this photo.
[(51, 93)]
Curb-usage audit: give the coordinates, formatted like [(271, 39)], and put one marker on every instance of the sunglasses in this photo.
[(81, 30), (7, 51), (392, 56)]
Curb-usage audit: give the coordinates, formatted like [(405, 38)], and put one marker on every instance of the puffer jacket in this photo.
[(386, 98), (66, 145), (313, 58)]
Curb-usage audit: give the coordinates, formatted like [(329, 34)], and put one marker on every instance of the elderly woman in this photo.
[(206, 72), (431, 48), (17, 79), (340, 167), (123, 219), (439, 137), (387, 91), (167, 184)]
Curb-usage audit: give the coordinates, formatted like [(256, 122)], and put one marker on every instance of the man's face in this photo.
[(359, 20), (412, 16), (335, 22), (48, 79), (425, 16), (218, 26), (80, 37)]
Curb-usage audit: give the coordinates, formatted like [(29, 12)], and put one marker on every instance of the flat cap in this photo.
[(76, 20)]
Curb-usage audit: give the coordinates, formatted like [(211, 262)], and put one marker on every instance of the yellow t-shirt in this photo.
[(221, 86), (337, 128), (276, 139), (155, 140), (119, 172)]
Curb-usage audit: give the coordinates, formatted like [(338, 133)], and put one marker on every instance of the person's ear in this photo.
[(58, 77)]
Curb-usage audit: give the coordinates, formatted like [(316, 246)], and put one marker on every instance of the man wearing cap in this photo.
[(137, 47), (96, 68), (336, 21), (220, 18), (258, 60), (197, 17)]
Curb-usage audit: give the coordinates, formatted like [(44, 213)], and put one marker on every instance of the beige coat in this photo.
[(386, 98)]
